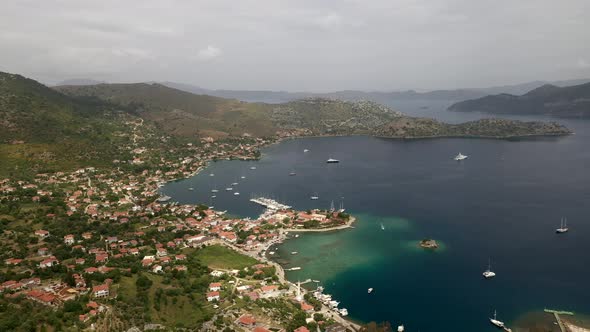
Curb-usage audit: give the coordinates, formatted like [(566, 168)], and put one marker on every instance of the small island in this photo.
[(428, 244)]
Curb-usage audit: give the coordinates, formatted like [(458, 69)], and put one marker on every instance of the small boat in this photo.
[(369, 291), (382, 227), (229, 189), (305, 150), (242, 177), (164, 198), (400, 328), (315, 197), (460, 157), (332, 161), (236, 193), (214, 196), (214, 190), (253, 167), (211, 174), (271, 252), (294, 252), (191, 188), (211, 207), (563, 228), (296, 268), (489, 273), (234, 184), (496, 322), (292, 174), (296, 235)]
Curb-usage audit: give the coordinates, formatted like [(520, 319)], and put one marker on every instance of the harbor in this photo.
[(270, 204)]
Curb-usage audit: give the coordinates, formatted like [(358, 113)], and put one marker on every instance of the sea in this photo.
[(500, 206)]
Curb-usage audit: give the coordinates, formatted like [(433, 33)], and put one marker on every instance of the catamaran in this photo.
[(489, 273), (563, 227), (496, 322), (460, 157)]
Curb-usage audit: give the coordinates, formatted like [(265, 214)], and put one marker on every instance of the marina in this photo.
[(270, 203)]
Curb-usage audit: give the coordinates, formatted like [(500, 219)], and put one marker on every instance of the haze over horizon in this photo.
[(299, 45)]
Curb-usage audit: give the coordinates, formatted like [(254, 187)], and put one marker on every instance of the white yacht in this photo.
[(214, 190), (229, 189), (191, 189), (214, 196), (242, 177), (292, 174), (234, 184), (460, 157), (211, 174), (382, 227), (332, 161), (489, 273), (236, 193), (400, 328), (496, 322), (369, 291), (305, 150), (294, 252), (563, 227), (253, 167), (315, 197)]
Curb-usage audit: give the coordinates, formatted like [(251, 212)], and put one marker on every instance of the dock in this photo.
[(556, 313), (270, 203)]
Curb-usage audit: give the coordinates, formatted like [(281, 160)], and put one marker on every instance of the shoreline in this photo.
[(347, 225)]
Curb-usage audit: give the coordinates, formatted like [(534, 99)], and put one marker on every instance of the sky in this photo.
[(298, 45)]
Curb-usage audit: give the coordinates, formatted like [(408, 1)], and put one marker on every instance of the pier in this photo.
[(556, 313), (269, 203)]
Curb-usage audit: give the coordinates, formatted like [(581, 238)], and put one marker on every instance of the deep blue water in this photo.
[(503, 203)]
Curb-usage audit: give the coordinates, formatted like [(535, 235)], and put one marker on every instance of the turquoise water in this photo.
[(503, 203)]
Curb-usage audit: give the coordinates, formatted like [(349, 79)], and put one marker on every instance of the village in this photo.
[(86, 235)]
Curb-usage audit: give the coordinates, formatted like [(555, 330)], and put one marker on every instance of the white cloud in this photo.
[(209, 53), (331, 21)]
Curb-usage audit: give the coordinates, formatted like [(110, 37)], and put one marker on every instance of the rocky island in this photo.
[(428, 244)]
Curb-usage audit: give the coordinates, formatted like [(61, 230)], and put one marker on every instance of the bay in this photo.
[(503, 203)]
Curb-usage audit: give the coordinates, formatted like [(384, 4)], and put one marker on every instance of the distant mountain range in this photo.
[(567, 102), (268, 96), (80, 81), (376, 96)]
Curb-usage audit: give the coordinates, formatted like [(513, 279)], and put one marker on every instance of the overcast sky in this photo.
[(298, 45)]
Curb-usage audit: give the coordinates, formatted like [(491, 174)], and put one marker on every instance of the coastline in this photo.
[(348, 224)]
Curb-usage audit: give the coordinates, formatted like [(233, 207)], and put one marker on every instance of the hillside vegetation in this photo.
[(570, 102), (44, 129), (182, 113)]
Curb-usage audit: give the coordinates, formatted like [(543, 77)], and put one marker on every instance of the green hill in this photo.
[(570, 102), (182, 113), (45, 130)]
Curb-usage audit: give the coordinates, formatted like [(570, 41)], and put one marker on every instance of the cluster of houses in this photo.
[(115, 196)]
